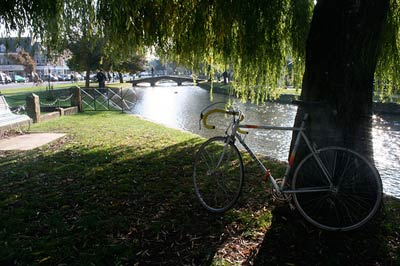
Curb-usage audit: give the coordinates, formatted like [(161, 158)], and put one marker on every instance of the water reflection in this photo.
[(180, 106), (386, 141)]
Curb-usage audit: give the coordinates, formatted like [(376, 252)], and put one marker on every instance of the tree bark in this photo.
[(341, 55), (87, 77)]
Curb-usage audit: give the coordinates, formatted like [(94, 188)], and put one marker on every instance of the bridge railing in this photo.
[(153, 80)]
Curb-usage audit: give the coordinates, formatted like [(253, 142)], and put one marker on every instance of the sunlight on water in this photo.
[(180, 107), (386, 139), (159, 105)]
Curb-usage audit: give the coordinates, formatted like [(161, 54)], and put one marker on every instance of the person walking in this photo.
[(101, 78), (225, 76)]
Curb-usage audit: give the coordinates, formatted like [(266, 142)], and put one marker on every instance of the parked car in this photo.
[(144, 74), (2, 78), (18, 78), (78, 76), (93, 77), (8, 78), (127, 77), (50, 77), (5, 78), (64, 77)]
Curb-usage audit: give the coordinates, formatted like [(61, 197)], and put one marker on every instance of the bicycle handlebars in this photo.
[(204, 117)]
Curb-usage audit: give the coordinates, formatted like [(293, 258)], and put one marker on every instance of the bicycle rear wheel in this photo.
[(352, 198), (218, 174)]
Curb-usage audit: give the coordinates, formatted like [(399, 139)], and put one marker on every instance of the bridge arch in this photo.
[(153, 80)]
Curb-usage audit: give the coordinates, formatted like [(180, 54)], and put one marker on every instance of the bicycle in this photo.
[(333, 188)]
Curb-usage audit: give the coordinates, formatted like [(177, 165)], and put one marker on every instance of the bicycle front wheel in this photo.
[(218, 174), (346, 200)]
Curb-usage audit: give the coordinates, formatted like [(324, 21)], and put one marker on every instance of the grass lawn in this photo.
[(17, 96), (117, 190)]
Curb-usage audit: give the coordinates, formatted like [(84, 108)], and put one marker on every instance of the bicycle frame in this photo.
[(348, 187), (301, 135)]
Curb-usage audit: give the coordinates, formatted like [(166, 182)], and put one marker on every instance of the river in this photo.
[(180, 106)]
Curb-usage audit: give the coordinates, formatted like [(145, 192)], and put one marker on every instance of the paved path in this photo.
[(28, 141)]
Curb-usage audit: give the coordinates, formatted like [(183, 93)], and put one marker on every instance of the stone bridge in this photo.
[(153, 80)]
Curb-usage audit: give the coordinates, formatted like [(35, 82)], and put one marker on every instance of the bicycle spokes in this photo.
[(350, 202), (218, 174)]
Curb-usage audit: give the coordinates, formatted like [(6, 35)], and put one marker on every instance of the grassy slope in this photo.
[(118, 191)]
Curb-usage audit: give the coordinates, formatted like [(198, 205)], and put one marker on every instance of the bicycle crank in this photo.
[(277, 196)]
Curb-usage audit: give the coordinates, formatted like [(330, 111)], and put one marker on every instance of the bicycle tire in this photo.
[(218, 181), (355, 197)]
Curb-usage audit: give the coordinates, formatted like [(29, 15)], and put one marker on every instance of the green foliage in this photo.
[(254, 38), (49, 21), (92, 53), (131, 64), (86, 54), (157, 65), (387, 75)]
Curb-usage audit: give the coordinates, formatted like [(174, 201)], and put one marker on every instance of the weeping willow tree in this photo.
[(338, 47), (342, 51), (254, 37)]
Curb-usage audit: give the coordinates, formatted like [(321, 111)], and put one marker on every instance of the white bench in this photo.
[(9, 120)]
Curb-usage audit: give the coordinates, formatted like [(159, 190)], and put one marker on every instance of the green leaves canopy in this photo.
[(48, 21), (253, 37)]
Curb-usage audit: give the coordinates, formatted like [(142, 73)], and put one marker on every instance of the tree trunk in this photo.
[(341, 56), (87, 78)]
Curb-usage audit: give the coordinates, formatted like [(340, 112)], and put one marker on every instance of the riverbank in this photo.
[(289, 96), (286, 96), (118, 190)]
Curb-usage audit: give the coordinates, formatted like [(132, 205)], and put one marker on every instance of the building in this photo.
[(13, 45)]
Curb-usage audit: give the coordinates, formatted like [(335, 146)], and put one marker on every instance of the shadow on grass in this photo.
[(292, 241), (97, 206), (127, 206)]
